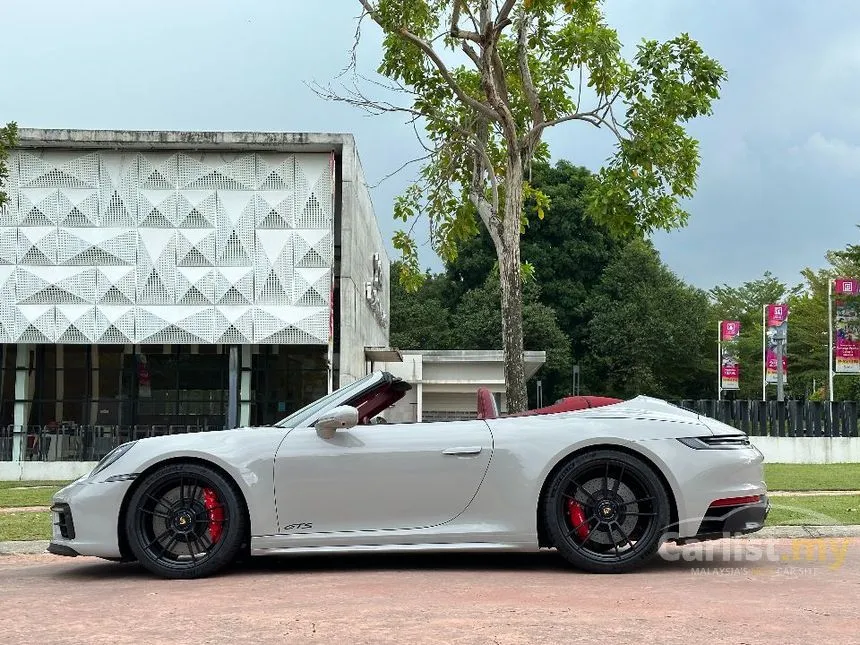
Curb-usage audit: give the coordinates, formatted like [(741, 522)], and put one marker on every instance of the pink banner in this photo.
[(776, 323), (847, 334), (729, 364)]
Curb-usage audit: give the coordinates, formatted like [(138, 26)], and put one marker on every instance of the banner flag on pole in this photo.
[(847, 327), (777, 320), (729, 360)]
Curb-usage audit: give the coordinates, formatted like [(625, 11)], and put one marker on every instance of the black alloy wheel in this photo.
[(185, 521), (606, 512)]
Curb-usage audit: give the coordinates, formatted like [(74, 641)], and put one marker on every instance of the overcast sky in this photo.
[(780, 155)]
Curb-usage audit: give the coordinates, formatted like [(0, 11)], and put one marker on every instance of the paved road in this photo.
[(781, 597)]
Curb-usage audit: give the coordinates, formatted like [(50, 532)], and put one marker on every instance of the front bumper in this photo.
[(85, 517), (730, 521), (62, 549)]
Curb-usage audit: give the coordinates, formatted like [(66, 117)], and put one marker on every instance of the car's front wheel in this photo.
[(185, 521), (606, 511)]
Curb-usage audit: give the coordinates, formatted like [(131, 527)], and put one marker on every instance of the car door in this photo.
[(373, 477)]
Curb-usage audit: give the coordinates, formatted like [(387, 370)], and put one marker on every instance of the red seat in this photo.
[(571, 403), (487, 408)]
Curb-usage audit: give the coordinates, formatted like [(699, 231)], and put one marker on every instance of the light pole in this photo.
[(779, 338)]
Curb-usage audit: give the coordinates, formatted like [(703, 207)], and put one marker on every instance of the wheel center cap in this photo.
[(606, 510), (183, 521)]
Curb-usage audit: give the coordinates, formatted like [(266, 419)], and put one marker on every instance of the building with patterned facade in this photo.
[(155, 282)]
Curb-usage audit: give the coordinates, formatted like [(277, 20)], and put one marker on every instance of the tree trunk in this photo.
[(512, 287)]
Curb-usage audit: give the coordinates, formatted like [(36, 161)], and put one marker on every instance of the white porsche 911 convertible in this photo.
[(602, 481)]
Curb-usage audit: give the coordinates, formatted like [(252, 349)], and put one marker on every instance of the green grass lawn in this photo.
[(34, 493), (815, 510), (25, 526), (812, 476)]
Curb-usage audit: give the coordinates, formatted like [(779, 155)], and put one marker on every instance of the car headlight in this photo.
[(718, 442), (111, 457)]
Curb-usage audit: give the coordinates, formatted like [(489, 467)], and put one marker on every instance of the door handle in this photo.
[(463, 450)]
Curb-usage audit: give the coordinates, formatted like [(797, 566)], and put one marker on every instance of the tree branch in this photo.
[(594, 117), (502, 20), (489, 213), (456, 32), (437, 61), (403, 167), (526, 74)]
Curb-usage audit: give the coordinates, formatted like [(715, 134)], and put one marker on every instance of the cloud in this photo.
[(833, 153)]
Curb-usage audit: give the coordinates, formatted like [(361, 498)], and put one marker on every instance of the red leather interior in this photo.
[(571, 403), (486, 404)]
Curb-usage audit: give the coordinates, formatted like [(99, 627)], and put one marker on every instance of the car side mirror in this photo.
[(343, 416)]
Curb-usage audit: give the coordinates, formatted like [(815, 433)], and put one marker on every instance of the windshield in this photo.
[(341, 394)]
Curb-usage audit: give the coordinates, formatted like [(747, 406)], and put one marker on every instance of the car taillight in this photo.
[(737, 501)]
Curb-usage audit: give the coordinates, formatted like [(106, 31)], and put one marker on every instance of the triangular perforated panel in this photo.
[(36, 217), (95, 256), (233, 297), (114, 296), (233, 337), (73, 336), (113, 336), (35, 256), (33, 335)]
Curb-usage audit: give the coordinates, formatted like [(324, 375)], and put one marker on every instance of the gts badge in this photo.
[(299, 526)]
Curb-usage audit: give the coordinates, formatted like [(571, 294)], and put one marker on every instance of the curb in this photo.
[(23, 547), (36, 547)]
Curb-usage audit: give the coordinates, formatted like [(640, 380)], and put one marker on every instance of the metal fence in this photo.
[(79, 443), (782, 418), (756, 418)]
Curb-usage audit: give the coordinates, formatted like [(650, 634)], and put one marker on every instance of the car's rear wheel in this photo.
[(606, 511), (185, 521)]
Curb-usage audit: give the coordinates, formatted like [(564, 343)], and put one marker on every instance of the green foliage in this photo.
[(484, 111), (650, 333), (8, 140), (421, 319), (656, 161), (439, 316), (567, 252)]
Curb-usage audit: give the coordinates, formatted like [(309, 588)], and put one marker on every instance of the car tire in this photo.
[(585, 488), (186, 521)]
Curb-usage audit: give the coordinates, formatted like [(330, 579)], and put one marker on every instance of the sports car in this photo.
[(604, 482)]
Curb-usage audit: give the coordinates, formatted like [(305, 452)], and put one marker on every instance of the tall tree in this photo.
[(8, 140), (487, 79), (807, 337), (567, 252), (649, 332)]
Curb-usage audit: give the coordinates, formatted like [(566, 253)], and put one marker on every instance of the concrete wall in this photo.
[(360, 237), (809, 450), (44, 470)]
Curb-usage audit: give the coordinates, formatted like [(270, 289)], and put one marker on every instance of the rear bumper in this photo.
[(730, 521)]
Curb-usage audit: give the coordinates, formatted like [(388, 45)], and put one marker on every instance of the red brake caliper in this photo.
[(577, 519), (216, 513)]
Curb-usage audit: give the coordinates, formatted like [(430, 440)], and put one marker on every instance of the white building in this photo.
[(445, 382), (176, 281)]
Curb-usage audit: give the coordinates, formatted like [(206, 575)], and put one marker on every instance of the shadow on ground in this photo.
[(547, 561)]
